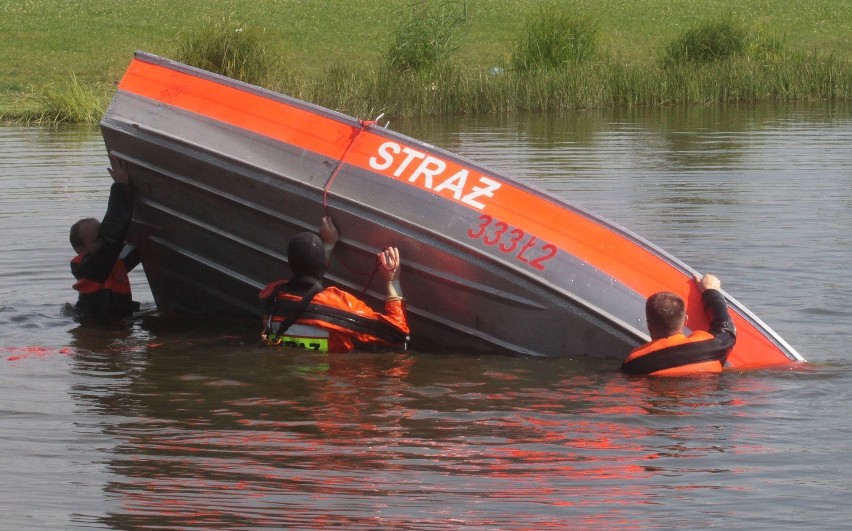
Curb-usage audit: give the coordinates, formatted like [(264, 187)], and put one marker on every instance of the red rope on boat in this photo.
[(364, 125)]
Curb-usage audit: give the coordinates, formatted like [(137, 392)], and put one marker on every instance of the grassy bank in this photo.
[(60, 60)]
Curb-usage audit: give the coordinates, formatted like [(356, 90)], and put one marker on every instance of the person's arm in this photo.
[(716, 308), (329, 236), (394, 301), (130, 256), (717, 311), (119, 212), (390, 272)]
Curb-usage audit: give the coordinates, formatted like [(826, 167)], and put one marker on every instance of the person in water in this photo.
[(301, 313), (103, 259), (671, 352)]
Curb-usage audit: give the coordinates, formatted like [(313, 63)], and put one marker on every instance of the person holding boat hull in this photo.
[(670, 352), (103, 258), (301, 313)]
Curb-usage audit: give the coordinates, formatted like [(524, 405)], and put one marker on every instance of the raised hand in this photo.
[(390, 264), (118, 171)]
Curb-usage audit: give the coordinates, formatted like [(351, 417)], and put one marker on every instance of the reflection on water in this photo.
[(176, 424), (372, 440)]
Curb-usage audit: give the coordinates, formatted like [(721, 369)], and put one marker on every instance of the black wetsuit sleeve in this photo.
[(98, 265), (721, 325), (119, 211), (130, 256)]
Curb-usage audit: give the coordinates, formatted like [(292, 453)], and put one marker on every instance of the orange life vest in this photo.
[(111, 298), (678, 355), (333, 321)]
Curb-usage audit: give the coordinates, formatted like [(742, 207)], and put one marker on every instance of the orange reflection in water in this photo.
[(366, 446)]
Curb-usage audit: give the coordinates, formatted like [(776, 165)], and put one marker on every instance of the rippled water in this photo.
[(191, 425)]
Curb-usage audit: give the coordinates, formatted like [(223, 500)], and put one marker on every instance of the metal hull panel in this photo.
[(225, 174)]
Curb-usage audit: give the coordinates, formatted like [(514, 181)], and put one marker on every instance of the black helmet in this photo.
[(306, 256)]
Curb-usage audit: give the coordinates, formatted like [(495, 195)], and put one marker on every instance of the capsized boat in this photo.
[(225, 173)]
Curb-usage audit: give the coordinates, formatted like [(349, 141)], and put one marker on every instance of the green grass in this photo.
[(336, 52), (67, 102), (554, 38), (427, 36), (712, 40), (230, 48)]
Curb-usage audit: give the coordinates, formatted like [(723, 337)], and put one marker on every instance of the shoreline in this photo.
[(451, 92)]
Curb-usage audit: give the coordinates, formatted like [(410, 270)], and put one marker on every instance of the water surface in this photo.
[(192, 425)]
